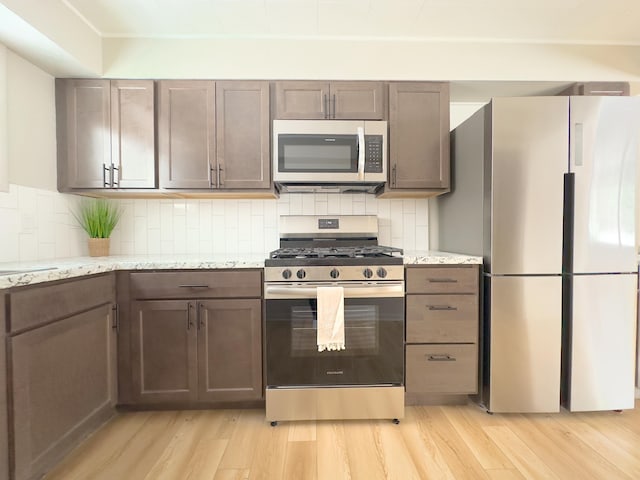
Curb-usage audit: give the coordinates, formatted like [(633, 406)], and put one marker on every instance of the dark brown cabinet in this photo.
[(105, 134), (242, 135), (442, 328), (62, 370), (213, 135), (189, 344), (4, 428), (186, 134), (418, 138), (335, 100)]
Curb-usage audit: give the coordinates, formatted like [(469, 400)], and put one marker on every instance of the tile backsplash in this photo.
[(38, 224)]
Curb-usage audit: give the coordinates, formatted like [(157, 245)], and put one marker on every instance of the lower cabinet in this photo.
[(441, 333), (185, 351), (63, 387)]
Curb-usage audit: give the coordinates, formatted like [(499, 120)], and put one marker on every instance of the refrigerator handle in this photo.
[(578, 151)]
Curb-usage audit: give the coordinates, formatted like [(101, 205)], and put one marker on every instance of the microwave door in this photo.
[(318, 157)]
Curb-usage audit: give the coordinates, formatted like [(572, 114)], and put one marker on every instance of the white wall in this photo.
[(265, 58), (31, 125), (4, 159)]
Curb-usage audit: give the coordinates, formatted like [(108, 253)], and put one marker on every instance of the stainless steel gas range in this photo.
[(365, 380)]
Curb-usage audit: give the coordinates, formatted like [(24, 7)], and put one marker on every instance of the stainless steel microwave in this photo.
[(310, 152)]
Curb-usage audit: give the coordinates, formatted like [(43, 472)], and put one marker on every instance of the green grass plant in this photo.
[(98, 217)]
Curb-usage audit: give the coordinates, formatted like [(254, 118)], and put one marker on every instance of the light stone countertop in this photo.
[(29, 273), (433, 257), (59, 269)]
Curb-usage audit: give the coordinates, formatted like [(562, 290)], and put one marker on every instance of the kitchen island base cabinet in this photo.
[(63, 387)]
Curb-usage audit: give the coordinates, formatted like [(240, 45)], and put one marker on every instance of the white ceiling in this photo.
[(549, 21)]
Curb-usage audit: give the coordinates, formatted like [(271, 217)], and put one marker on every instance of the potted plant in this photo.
[(98, 217)]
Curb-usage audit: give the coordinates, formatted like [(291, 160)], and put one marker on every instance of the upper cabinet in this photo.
[(418, 139), (213, 135), (186, 134), (105, 133), (330, 100)]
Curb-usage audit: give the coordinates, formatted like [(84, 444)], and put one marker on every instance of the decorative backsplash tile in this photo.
[(38, 224)]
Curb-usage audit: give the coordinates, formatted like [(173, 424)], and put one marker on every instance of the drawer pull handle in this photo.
[(441, 358), (442, 280), (194, 286), (441, 307)]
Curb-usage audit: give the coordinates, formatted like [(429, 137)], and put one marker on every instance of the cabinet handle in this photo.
[(220, 182), (442, 280), (194, 285), (200, 316), (189, 322), (211, 185), (105, 169), (115, 179), (393, 175), (441, 307), (441, 358), (116, 318), (333, 109), (325, 105)]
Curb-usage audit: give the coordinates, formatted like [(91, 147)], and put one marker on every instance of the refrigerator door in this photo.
[(524, 344), (604, 153), (530, 148), (603, 342)]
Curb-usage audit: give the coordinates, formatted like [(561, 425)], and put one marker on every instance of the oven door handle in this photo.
[(358, 291)]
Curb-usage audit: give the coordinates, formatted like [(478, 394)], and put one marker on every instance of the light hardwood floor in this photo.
[(453, 442)]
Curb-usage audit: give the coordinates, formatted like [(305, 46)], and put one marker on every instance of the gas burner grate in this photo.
[(372, 251)]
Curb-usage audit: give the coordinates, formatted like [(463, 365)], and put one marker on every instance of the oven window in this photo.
[(317, 153), (360, 330), (374, 344)]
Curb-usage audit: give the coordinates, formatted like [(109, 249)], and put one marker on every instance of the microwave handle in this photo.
[(361, 152)]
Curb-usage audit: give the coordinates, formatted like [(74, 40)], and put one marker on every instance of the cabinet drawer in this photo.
[(37, 305), (443, 279), (196, 284), (442, 318), (449, 369)]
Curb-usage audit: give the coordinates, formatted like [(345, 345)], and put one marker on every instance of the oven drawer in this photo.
[(197, 284), (458, 279), (446, 369), (442, 318)]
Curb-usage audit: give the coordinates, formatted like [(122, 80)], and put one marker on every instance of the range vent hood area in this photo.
[(302, 187)]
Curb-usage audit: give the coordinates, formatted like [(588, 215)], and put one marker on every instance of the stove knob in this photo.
[(334, 273), (381, 272), (367, 272), (301, 274), (286, 274)]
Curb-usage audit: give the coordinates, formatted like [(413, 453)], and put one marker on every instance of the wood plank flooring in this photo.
[(452, 442)]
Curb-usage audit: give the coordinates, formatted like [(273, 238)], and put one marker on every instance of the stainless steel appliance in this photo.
[(329, 155), (365, 380), (544, 189)]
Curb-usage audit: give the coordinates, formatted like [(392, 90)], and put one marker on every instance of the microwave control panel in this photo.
[(373, 153)]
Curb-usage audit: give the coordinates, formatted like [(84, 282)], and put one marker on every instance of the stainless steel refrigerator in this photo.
[(544, 189)]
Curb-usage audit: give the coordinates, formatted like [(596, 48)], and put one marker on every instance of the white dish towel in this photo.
[(330, 318)]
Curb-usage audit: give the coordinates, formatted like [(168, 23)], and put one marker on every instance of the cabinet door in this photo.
[(242, 131), (186, 134), (84, 133), (229, 350), (163, 351), (63, 386), (357, 100), (302, 100), (133, 133), (418, 136), (4, 428)]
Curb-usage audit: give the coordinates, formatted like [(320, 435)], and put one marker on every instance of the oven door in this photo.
[(374, 338)]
